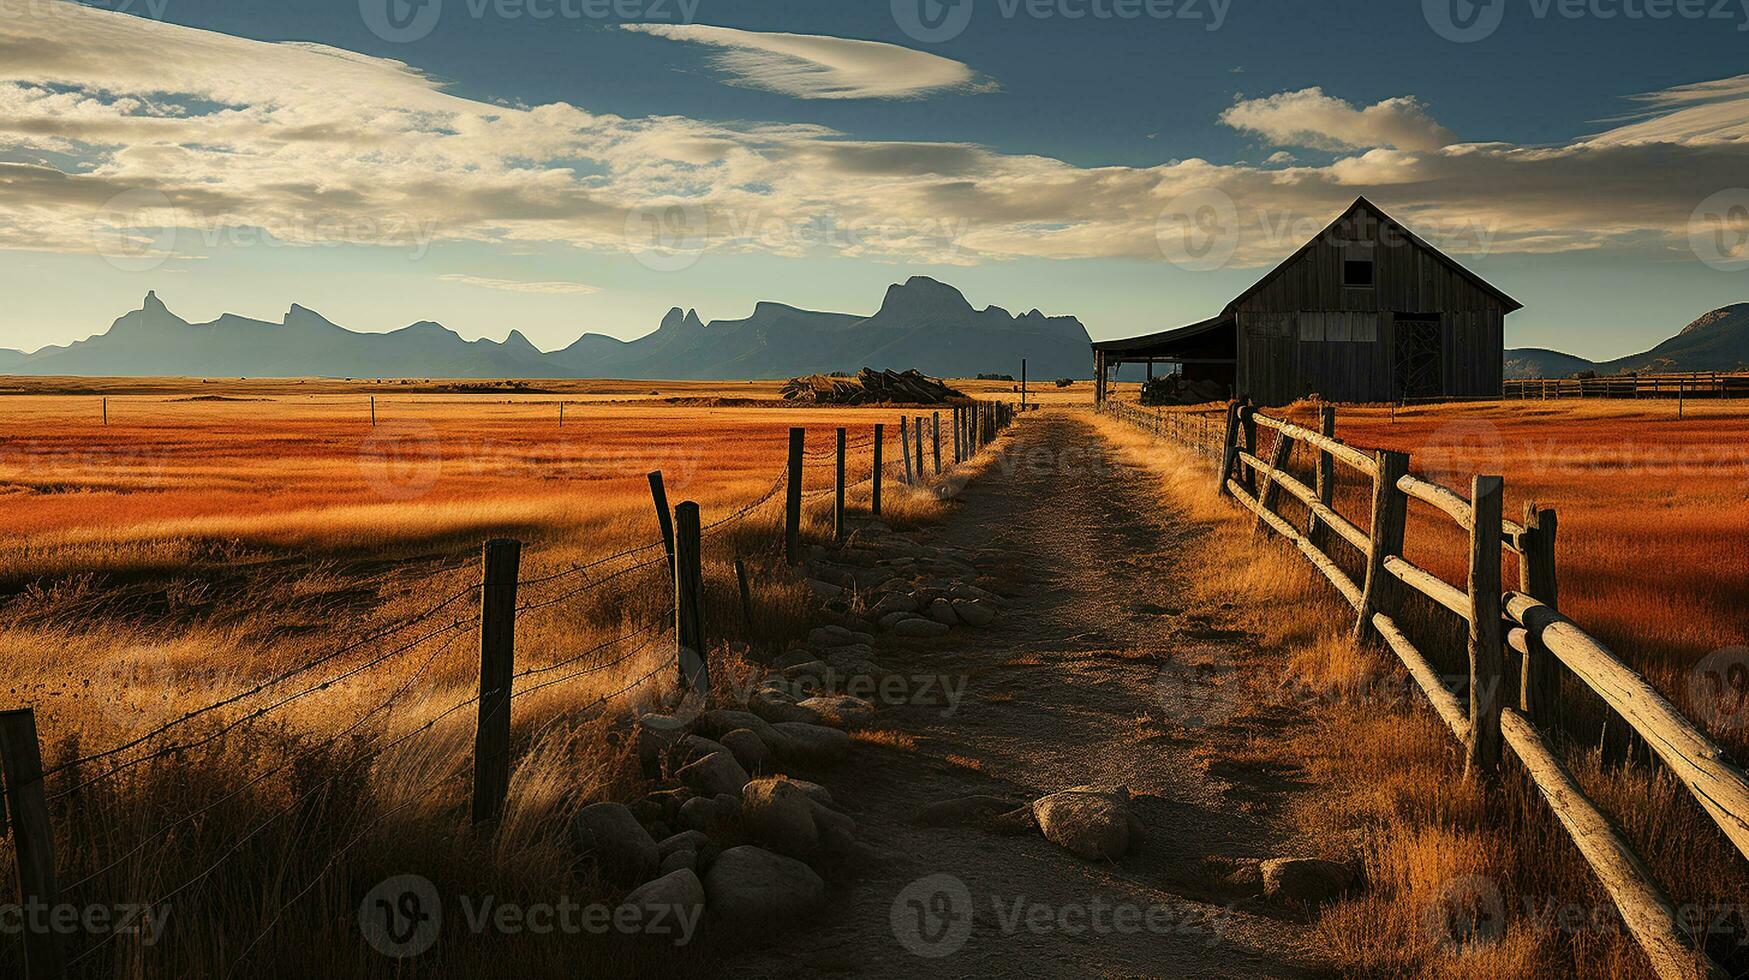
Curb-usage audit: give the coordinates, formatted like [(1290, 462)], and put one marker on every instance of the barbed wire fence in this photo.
[(37, 799)]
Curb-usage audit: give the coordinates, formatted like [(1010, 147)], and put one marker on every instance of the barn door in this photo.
[(1418, 362)]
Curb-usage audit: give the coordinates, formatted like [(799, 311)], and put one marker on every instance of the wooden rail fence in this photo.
[(1493, 713), (1694, 384), (25, 806)]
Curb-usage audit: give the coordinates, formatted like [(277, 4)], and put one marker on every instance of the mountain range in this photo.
[(1716, 341), (921, 323)]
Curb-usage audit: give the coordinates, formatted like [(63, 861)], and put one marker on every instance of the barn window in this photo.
[(1357, 273)]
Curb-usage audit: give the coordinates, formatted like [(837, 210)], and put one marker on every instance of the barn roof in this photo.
[(1154, 341)]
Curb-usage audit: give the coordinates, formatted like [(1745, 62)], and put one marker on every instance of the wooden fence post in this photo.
[(501, 558), (792, 511), (1248, 432), (664, 520), (1390, 513), (958, 453), (838, 529), (1266, 495), (935, 439), (1540, 680), (689, 602), (33, 840), (1487, 661), (746, 597), (874, 502), (1230, 449), (1325, 484), (917, 430)]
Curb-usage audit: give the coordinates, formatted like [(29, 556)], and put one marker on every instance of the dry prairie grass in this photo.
[(192, 551), (1390, 785)]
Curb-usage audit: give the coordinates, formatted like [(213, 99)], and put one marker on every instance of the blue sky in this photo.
[(497, 170)]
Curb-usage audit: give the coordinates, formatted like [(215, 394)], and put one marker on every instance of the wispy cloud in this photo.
[(1312, 119), (518, 286), (811, 66)]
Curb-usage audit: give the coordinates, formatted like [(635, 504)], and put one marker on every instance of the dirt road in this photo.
[(1095, 673)]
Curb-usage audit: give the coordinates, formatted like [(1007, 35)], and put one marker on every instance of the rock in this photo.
[(1019, 820), (973, 593), (817, 670), (749, 750), (669, 800), (793, 656), (965, 811), (722, 720), (1308, 881), (836, 636), (1092, 823), (780, 816), (893, 619), (942, 612), (664, 903), (686, 840), (823, 589), (692, 747), (657, 733), (919, 627), (811, 743), (676, 860), (775, 706), (658, 829), (714, 774), (814, 791), (751, 885), (893, 602), (713, 816), (974, 612), (610, 837), (840, 709), (848, 665)]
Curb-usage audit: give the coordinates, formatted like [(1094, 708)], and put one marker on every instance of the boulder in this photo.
[(836, 636), (664, 903), (893, 602), (965, 811), (752, 885), (749, 750), (839, 709), (714, 774), (676, 860), (778, 815), (942, 612), (608, 836), (691, 747), (721, 721), (919, 627), (1092, 823), (811, 743), (892, 619), (793, 656), (974, 612), (657, 733), (1307, 881), (776, 706)]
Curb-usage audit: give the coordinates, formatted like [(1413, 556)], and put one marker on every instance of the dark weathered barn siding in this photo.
[(1276, 366)]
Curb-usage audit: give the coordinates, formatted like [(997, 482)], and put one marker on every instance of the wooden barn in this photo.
[(1364, 312)]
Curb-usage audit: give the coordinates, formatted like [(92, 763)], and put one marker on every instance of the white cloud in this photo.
[(1312, 119), (519, 286), (312, 145), (809, 66)]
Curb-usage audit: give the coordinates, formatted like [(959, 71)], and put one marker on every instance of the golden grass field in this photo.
[(212, 539)]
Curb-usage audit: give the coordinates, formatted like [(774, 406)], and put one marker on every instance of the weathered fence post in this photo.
[(1487, 660), (33, 840), (1248, 431), (1325, 482), (838, 529), (1230, 450), (664, 518), (501, 559), (935, 439), (1266, 495), (1390, 514), (689, 602), (792, 510), (874, 501), (746, 597), (1539, 682), (917, 430), (905, 450), (958, 431)]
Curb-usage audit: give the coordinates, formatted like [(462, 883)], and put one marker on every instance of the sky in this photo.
[(564, 166)]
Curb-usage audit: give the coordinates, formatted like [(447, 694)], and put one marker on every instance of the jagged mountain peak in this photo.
[(923, 295)]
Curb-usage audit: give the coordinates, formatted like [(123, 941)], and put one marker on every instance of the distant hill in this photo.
[(922, 324), (1716, 341)]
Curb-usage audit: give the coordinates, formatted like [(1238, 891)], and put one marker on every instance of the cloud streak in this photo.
[(810, 66), (519, 286)]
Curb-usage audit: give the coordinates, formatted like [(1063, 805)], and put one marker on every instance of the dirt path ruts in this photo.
[(1088, 676)]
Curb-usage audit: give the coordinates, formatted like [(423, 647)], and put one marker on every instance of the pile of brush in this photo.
[(870, 387)]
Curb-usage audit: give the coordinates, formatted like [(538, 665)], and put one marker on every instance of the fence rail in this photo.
[(28, 812), (1524, 620), (1694, 384)]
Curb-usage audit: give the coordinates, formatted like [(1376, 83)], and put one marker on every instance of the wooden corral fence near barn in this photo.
[(1504, 703), (38, 796), (1695, 384)]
